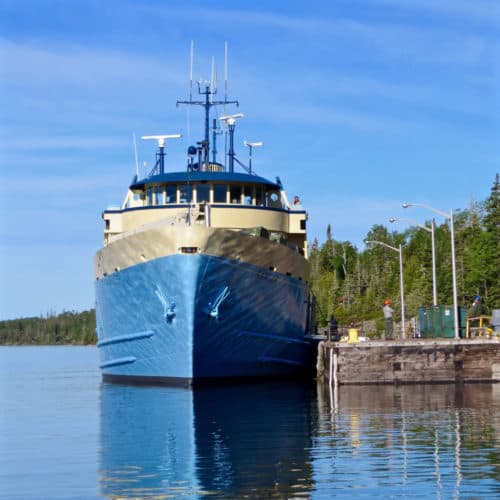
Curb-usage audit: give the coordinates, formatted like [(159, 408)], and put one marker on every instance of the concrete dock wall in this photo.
[(410, 362)]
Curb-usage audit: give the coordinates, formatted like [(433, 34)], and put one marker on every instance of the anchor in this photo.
[(168, 305), (213, 307)]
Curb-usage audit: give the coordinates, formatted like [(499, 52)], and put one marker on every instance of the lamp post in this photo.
[(453, 258), (430, 230), (401, 284), (251, 145)]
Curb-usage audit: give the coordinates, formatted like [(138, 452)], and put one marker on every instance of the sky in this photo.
[(361, 105)]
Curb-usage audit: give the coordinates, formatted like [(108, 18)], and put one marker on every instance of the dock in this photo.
[(413, 361)]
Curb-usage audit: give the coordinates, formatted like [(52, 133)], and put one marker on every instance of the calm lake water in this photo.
[(66, 435)]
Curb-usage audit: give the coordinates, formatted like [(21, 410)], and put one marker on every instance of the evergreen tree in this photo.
[(491, 247)]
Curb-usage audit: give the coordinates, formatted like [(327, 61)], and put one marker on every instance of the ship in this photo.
[(203, 274)]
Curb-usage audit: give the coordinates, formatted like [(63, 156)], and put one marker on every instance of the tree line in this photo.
[(352, 284), (65, 328)]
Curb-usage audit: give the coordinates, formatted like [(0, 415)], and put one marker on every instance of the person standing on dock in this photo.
[(475, 311), (388, 312)]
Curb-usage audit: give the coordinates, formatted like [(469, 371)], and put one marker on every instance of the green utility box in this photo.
[(425, 322), (438, 321)]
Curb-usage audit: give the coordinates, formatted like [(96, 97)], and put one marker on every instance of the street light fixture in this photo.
[(430, 230), (401, 284), (453, 258)]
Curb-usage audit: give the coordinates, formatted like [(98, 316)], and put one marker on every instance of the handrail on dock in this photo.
[(481, 330)]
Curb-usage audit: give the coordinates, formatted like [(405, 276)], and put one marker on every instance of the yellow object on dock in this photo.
[(353, 335)]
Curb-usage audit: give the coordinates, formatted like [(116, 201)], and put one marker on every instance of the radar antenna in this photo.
[(160, 155), (250, 146)]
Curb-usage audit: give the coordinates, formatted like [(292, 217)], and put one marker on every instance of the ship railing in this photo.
[(174, 220)]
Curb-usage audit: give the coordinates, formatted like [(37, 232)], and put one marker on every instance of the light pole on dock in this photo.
[(429, 230), (401, 284), (453, 258)]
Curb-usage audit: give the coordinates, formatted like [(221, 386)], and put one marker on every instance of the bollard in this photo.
[(353, 335)]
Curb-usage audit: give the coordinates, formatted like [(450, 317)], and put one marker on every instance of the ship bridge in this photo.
[(220, 199)]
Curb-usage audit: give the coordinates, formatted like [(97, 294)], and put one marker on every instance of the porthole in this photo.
[(189, 250)]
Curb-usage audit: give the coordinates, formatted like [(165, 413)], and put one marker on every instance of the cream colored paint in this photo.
[(163, 239)]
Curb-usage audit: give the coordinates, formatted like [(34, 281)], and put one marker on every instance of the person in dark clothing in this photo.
[(333, 329)]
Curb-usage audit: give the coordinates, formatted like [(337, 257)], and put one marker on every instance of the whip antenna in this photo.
[(191, 71), (213, 80), (225, 74), (135, 153)]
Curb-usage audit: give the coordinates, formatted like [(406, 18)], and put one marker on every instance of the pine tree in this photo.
[(491, 247)]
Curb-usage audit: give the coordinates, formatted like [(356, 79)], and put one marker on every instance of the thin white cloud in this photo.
[(430, 95), (321, 115), (81, 67), (486, 11), (399, 40), (62, 143), (59, 184)]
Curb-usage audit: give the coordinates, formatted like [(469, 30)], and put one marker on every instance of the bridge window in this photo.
[(202, 192), (220, 193), (248, 195), (171, 193), (258, 196), (185, 191), (235, 192), (159, 196)]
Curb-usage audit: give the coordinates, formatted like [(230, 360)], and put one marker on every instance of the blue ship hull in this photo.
[(184, 318)]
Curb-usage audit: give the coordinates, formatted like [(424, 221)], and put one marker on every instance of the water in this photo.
[(66, 435)]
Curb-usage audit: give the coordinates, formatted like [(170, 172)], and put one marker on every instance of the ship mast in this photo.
[(207, 103), (208, 89)]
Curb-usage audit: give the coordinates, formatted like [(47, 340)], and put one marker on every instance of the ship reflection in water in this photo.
[(281, 440), (235, 440)]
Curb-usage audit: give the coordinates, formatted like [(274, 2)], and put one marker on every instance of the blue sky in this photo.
[(361, 105)]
